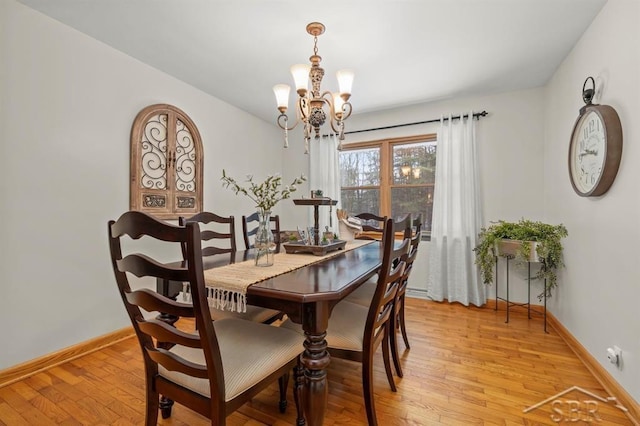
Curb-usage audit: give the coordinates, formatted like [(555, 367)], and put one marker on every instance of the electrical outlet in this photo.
[(615, 356)]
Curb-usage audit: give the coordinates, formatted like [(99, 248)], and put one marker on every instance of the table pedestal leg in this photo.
[(298, 389), (315, 360)]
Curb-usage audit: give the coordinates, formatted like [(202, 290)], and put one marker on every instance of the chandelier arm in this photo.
[(346, 110), (303, 108), (282, 119), (327, 96)]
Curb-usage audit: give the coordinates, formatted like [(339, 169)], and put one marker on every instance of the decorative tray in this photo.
[(322, 201), (319, 250)]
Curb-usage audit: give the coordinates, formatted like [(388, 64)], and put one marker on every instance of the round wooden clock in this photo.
[(596, 147)]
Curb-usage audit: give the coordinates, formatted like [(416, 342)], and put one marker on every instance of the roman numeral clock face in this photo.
[(589, 152), (595, 150)]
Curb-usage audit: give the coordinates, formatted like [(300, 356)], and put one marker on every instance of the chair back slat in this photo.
[(390, 286), (151, 301), (412, 255), (371, 223), (166, 333), (141, 265), (210, 251), (139, 224), (208, 235), (225, 230), (172, 362)]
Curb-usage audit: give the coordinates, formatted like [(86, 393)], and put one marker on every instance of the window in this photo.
[(166, 163), (390, 177)]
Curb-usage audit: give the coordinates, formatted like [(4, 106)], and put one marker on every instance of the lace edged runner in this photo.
[(227, 285)]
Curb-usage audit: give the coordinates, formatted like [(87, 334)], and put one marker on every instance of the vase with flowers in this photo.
[(265, 195)]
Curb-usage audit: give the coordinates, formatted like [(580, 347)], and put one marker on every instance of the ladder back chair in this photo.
[(399, 317), (355, 332), (213, 369), (253, 313), (248, 233)]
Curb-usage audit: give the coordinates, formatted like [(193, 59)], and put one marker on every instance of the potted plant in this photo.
[(534, 241)]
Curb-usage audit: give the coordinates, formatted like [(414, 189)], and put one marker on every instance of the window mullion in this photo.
[(385, 179)]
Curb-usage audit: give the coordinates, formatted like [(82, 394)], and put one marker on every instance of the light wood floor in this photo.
[(465, 367)]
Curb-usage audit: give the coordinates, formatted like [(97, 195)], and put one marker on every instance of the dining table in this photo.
[(307, 295)]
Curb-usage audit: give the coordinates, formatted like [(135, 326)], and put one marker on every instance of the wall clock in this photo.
[(595, 148)]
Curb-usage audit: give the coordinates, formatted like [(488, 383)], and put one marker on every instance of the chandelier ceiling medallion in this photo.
[(310, 104)]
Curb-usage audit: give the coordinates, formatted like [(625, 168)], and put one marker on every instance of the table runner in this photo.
[(227, 285)]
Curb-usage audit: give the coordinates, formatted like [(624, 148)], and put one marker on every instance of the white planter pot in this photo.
[(510, 248)]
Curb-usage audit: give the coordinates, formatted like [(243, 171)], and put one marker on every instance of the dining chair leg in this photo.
[(393, 340), (283, 383), (386, 358), (153, 405), (166, 405), (367, 388), (403, 326), (298, 388)]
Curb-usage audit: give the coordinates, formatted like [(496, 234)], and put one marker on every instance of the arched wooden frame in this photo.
[(166, 163)]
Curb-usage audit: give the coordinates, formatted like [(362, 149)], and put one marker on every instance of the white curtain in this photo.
[(324, 174), (457, 216)]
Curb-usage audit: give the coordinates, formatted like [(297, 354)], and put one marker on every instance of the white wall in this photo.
[(67, 105), (597, 299)]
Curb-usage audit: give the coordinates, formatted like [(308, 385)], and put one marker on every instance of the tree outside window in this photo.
[(390, 177)]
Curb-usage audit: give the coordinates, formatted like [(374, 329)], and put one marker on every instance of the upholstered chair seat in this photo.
[(250, 352), (364, 294), (346, 326)]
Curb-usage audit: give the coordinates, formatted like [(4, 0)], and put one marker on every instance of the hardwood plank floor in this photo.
[(465, 367)]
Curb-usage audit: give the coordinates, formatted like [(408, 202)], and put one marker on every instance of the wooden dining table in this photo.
[(307, 295)]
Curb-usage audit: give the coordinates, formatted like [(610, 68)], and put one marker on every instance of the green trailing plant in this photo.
[(549, 249)]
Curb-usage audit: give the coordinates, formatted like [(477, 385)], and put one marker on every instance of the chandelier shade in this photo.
[(282, 96), (345, 82), (311, 103)]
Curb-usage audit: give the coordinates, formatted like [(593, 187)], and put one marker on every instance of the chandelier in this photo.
[(310, 104)]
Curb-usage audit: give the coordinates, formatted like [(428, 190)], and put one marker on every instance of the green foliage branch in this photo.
[(549, 249), (265, 194)]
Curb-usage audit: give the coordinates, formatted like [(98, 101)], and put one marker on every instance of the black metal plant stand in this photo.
[(528, 304)]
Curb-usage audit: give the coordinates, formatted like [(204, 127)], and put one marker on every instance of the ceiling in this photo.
[(402, 51)]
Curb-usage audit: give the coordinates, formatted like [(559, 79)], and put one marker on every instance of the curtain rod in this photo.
[(476, 115)]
